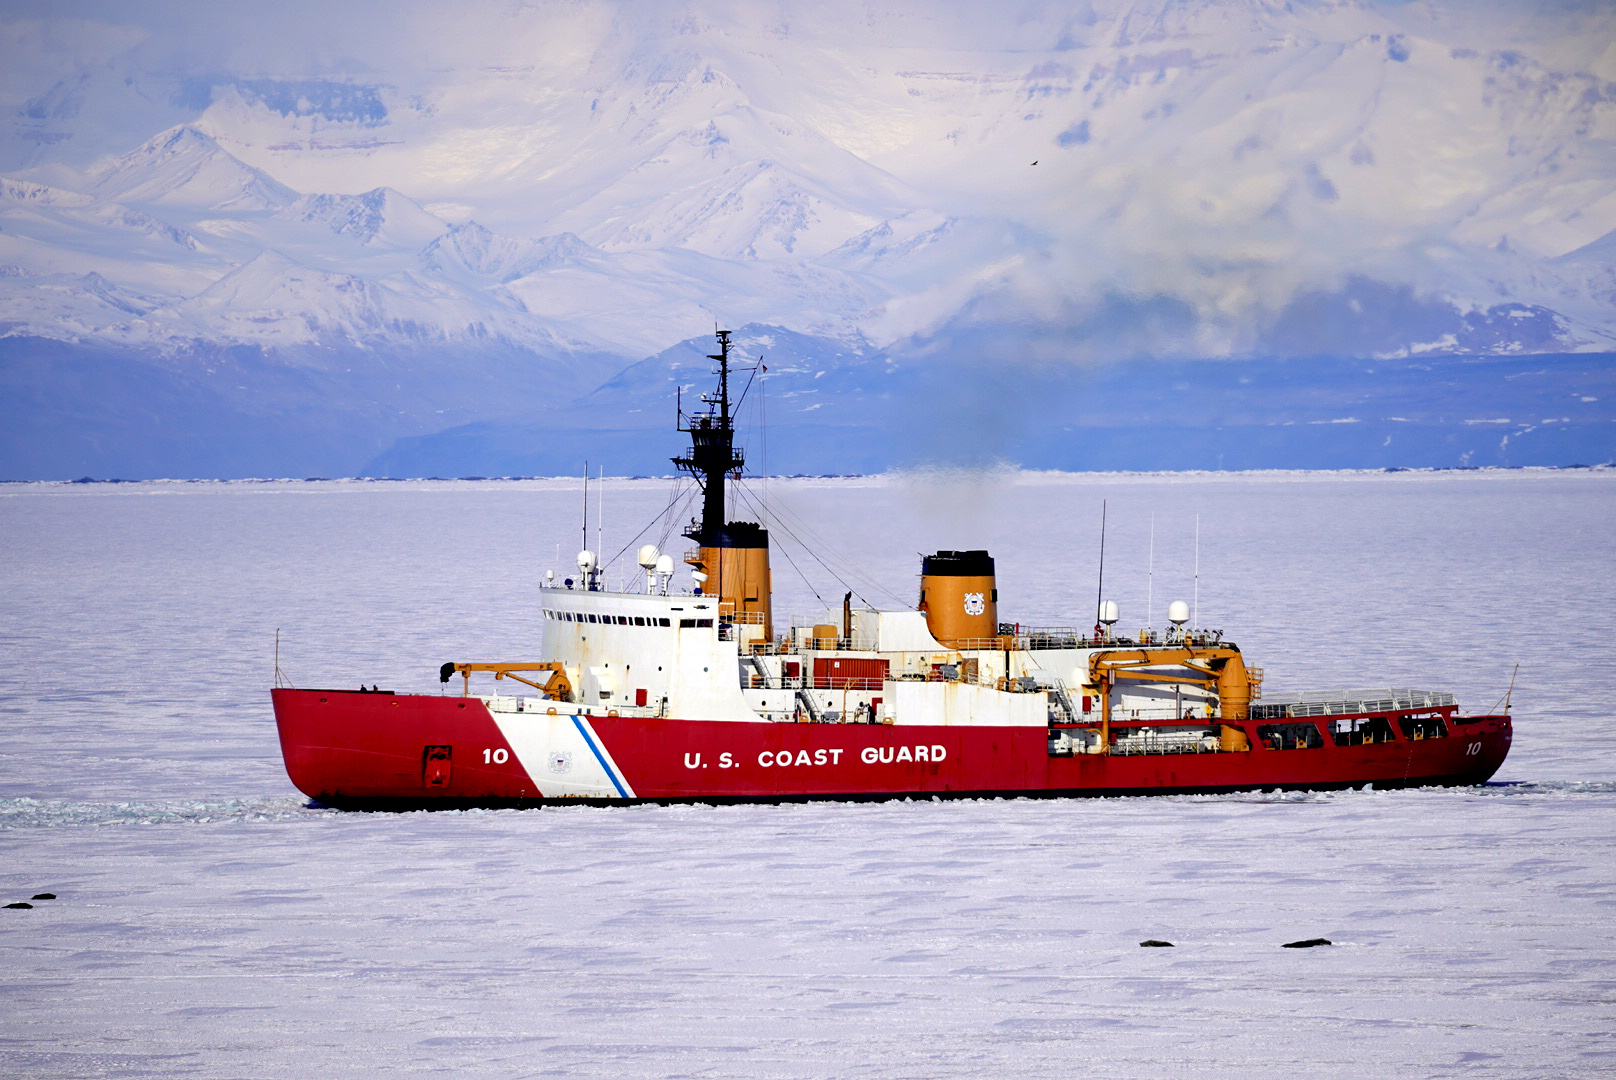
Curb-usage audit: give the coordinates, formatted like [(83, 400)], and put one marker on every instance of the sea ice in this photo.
[(209, 923)]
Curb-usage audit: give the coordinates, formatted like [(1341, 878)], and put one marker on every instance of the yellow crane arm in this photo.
[(1158, 676), (557, 686), (1219, 667)]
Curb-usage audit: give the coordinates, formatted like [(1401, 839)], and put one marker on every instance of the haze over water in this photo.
[(211, 924)]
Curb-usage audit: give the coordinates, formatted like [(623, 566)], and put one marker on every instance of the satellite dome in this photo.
[(1178, 613)]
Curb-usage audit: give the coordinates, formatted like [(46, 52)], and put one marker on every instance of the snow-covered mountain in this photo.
[(228, 255), (885, 171), (588, 183), (182, 167)]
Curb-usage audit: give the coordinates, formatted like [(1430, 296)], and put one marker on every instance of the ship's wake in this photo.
[(28, 813)]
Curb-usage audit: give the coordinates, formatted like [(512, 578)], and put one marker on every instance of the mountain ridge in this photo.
[(1217, 180)]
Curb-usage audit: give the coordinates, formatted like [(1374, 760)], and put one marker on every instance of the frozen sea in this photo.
[(209, 923)]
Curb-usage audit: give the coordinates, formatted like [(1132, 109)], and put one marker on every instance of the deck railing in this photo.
[(567, 708), (1347, 703), (1023, 639)]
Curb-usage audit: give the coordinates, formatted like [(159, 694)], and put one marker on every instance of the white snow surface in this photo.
[(842, 168), (210, 924)]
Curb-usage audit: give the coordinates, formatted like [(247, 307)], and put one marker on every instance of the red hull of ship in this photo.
[(393, 751)]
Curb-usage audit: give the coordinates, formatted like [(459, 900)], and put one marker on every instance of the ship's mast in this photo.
[(733, 556), (712, 456)]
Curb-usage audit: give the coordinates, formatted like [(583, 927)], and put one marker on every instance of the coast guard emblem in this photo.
[(974, 603), (560, 762)]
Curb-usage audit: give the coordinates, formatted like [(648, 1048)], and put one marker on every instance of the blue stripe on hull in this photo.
[(590, 741)]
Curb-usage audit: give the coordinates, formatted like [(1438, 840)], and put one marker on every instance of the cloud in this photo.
[(39, 52), (1200, 164)]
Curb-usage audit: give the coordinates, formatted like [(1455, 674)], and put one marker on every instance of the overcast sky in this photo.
[(311, 37)]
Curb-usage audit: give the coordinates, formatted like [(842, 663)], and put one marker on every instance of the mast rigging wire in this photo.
[(781, 513), (787, 556), (676, 511), (740, 400), (761, 511), (666, 513), (1099, 599)]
